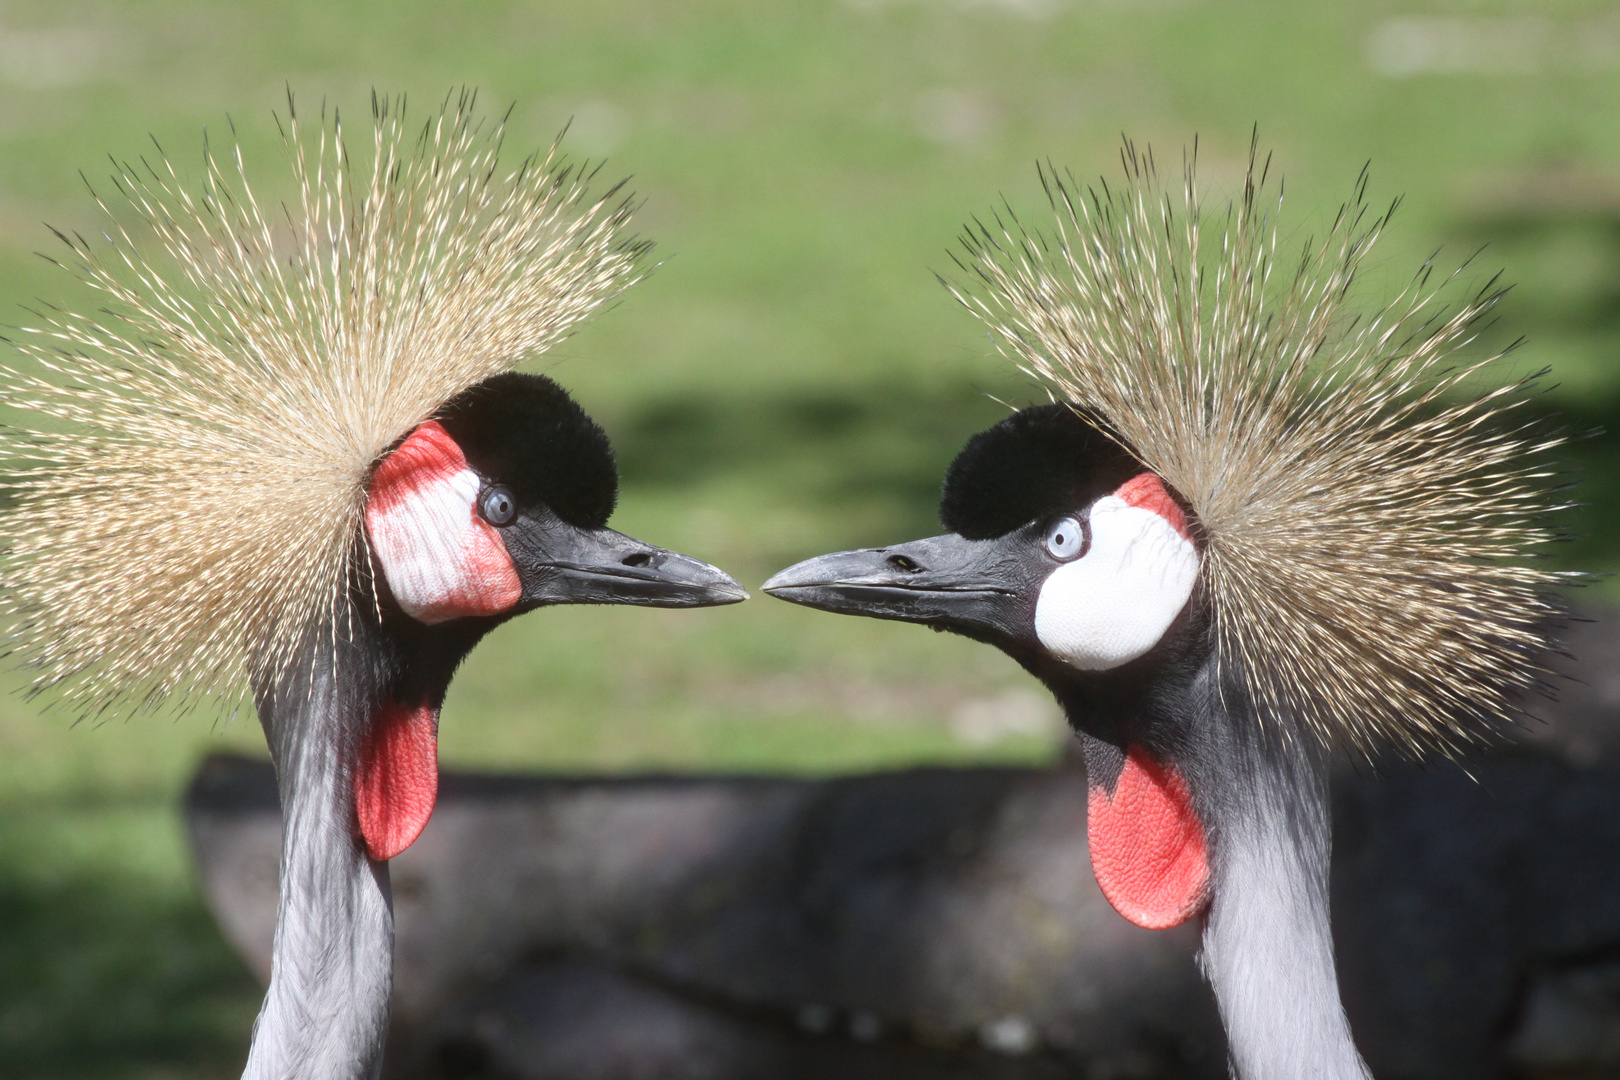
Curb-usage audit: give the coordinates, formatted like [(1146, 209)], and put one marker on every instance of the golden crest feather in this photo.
[(202, 445), (1369, 516)]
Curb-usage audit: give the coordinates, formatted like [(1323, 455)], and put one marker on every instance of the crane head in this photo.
[(500, 504), (1069, 556), (496, 506)]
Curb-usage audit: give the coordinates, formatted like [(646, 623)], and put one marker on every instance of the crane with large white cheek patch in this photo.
[(1119, 595), (441, 559)]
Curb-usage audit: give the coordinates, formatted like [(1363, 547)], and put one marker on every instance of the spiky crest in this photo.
[(1368, 514), (189, 474)]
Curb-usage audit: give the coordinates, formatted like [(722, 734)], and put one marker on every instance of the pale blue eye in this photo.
[(498, 506), (1065, 539)]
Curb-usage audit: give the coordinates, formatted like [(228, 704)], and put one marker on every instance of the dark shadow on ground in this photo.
[(885, 443), (1562, 251), (104, 975), (1593, 526), (882, 452)]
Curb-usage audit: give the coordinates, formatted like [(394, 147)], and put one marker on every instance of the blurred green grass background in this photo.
[(792, 379)]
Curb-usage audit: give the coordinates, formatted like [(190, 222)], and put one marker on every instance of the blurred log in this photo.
[(944, 922), (582, 1020), (950, 906)]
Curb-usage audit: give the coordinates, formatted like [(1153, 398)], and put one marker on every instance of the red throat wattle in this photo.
[(396, 778), (1147, 845)]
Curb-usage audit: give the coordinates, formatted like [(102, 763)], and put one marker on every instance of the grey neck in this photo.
[(326, 1012), (1268, 942)]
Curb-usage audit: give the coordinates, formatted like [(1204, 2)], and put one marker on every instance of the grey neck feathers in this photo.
[(1268, 943), (326, 1012)]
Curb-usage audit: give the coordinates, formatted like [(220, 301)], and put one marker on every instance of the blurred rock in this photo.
[(944, 922), (1583, 725), (1570, 1024), (940, 907), (1454, 892), (582, 1020)]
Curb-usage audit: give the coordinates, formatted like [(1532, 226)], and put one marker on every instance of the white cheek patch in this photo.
[(440, 559), (1115, 602)]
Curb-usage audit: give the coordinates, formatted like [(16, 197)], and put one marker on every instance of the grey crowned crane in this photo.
[(1257, 525), (289, 462)]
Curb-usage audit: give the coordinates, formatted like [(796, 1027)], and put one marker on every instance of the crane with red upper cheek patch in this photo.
[(496, 507), (1253, 530), (340, 375)]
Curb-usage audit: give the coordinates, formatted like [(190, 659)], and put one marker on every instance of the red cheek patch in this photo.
[(1147, 844), (1147, 491), (396, 778), (440, 558)]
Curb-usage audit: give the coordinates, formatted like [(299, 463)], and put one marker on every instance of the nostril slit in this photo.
[(900, 562), (640, 558)]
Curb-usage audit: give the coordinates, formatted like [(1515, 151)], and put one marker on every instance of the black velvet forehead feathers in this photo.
[(1038, 462), (524, 432)]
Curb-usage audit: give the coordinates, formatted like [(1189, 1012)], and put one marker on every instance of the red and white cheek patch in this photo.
[(1115, 602), (441, 559), (1147, 844)]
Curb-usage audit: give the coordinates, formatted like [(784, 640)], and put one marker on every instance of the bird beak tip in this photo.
[(732, 594), (796, 577)]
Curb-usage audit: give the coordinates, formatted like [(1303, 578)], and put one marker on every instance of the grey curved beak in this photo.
[(601, 566), (943, 580)]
